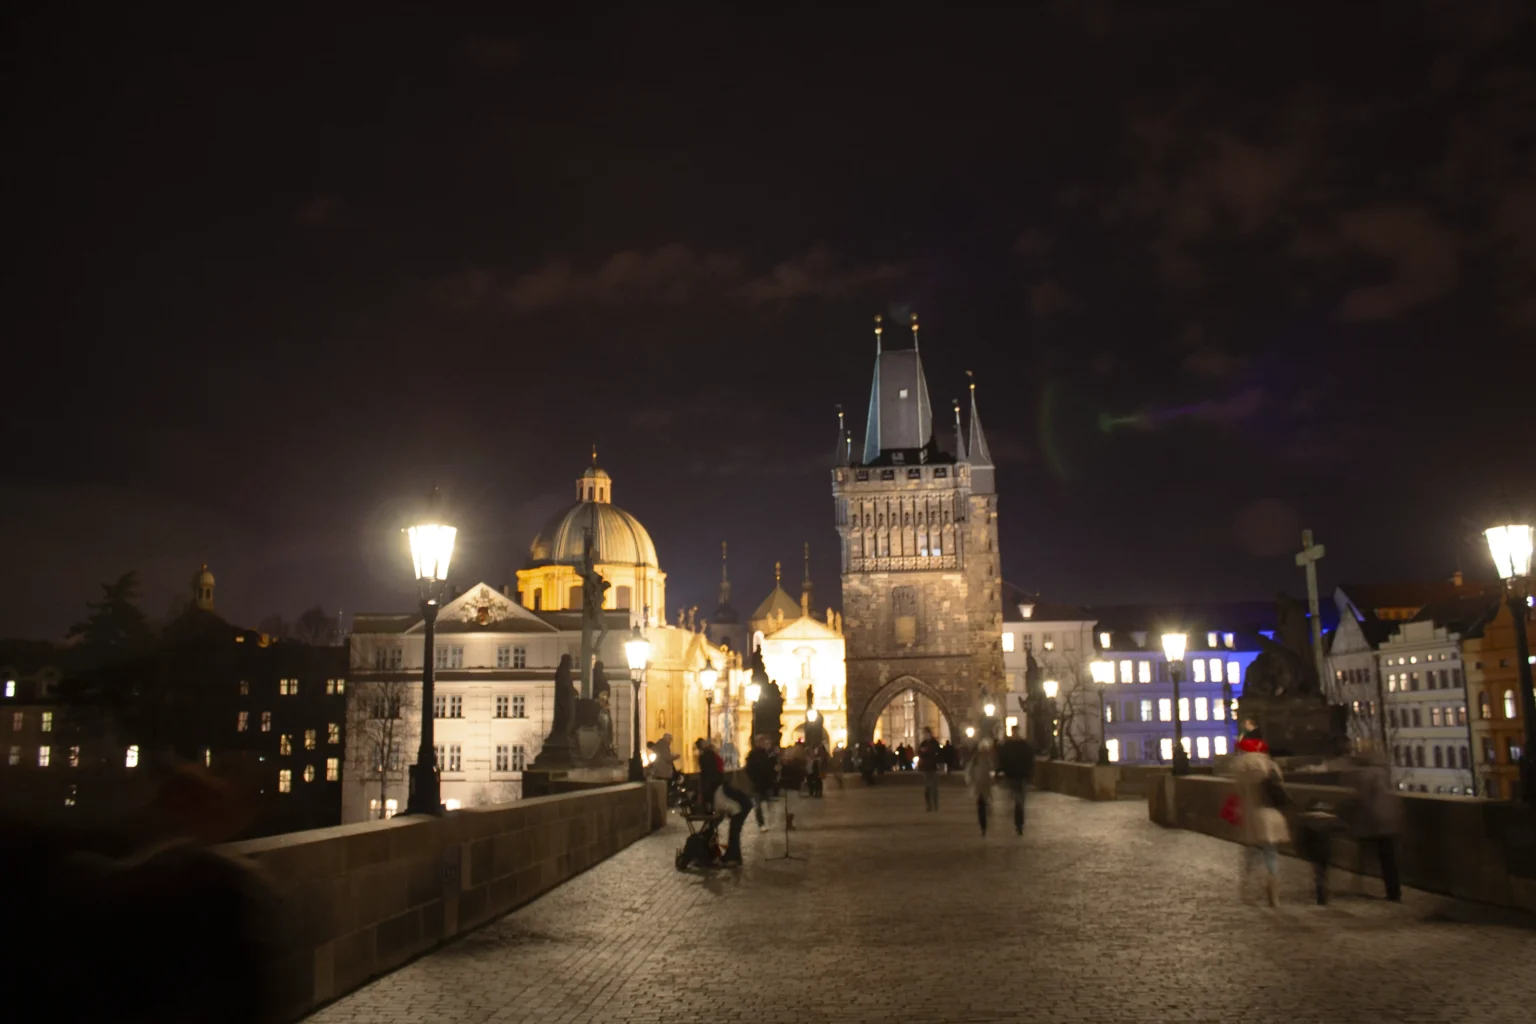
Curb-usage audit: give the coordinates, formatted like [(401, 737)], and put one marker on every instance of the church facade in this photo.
[(921, 576)]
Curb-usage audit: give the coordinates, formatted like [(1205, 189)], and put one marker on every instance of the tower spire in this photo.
[(778, 573), (959, 433), (915, 346), (725, 577), (879, 330), (805, 583), (840, 458), (983, 471), (594, 454)]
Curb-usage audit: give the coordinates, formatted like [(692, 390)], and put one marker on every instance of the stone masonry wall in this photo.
[(357, 901)]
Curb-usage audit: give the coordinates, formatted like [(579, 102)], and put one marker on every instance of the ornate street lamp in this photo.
[(431, 551), (708, 677), (1052, 688), (1103, 674), (1510, 547), (1174, 645), (637, 651)]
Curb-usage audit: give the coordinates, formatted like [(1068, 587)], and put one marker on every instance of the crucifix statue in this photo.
[(593, 588), (1309, 556)]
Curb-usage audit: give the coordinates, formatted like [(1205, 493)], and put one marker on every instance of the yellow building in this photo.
[(622, 553)]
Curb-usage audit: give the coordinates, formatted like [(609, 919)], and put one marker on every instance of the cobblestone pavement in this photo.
[(892, 914)]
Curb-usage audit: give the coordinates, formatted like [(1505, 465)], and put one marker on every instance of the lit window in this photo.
[(1202, 709), (47, 725), (1210, 640), (1215, 670), (1144, 671), (1165, 710), (1126, 668), (284, 745), (1146, 711), (131, 757), (1234, 672), (284, 780), (1228, 641), (1221, 746), (519, 706), (1184, 742), (332, 769), (242, 721), (69, 798), (335, 686), (1113, 746), (1007, 642), (1165, 745), (18, 721), (266, 721), (44, 755), (207, 757), (1392, 682), (1218, 710), (15, 758), (1104, 640), (287, 687), (309, 773), (1183, 709), (309, 739), (1011, 723), (245, 688), (1109, 712), (333, 732), (1202, 747), (1511, 710), (74, 757), (10, 687), (1047, 642), (1199, 669)]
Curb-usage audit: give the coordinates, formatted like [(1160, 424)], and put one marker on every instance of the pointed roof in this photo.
[(983, 472), (900, 414), (841, 454), (805, 627), (777, 602), (725, 614)]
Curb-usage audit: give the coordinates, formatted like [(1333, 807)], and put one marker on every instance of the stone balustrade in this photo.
[(1483, 850), (359, 900), (1088, 781)]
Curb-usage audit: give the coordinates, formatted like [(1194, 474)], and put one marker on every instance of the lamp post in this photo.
[(637, 651), (1173, 649), (1510, 547), (987, 711), (1052, 688), (431, 551), (708, 677), (1103, 673)]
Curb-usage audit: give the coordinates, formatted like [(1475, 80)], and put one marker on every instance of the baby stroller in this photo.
[(702, 847)]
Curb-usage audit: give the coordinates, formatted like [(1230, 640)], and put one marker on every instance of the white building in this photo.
[(1428, 735), (1060, 639), (494, 673)]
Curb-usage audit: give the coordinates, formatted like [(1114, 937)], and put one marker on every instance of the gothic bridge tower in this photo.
[(922, 602)]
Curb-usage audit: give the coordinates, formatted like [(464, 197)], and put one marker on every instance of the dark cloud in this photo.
[(1421, 252)]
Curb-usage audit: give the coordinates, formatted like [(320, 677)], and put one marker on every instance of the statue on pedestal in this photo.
[(556, 752), (1282, 694)]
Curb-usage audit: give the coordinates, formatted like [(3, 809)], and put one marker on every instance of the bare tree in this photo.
[(377, 713), (1077, 704), (315, 628)]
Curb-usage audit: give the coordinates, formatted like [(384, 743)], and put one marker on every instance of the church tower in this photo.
[(922, 602)]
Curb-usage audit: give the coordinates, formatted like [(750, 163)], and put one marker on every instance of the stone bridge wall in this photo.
[(1483, 850), (357, 901)]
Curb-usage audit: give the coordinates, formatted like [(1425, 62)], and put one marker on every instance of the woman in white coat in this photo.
[(978, 774), (1260, 821)]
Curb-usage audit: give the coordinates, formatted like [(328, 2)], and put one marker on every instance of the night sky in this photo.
[(1220, 276)]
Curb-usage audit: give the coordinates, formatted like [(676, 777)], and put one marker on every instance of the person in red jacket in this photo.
[(715, 792)]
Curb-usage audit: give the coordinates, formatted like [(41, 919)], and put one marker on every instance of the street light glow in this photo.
[(708, 676), (810, 715), (989, 709), (1174, 645), (637, 651), (754, 691), (1510, 547), (1051, 688), (431, 550), (970, 732)]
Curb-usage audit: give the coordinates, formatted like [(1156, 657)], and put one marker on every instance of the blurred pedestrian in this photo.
[(979, 769), (1016, 757), (1318, 825), (1261, 800), (1375, 818), (762, 774), (928, 756)]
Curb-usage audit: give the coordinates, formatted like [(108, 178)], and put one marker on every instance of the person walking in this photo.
[(1016, 757), (928, 756), (722, 798), (761, 773), (1260, 801), (1376, 818), (978, 773)]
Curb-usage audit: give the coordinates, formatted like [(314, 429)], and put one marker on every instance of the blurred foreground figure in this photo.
[(1376, 818), (146, 922)]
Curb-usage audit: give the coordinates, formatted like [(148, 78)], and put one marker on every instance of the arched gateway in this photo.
[(922, 594), (908, 701)]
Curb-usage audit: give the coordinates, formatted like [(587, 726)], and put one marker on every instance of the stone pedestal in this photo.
[(1296, 726), (549, 782)]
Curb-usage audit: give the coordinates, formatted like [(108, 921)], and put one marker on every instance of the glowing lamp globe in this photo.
[(811, 715), (708, 677), (754, 691), (1174, 645), (1051, 688), (970, 732), (1510, 547), (431, 550), (637, 651), (989, 710)]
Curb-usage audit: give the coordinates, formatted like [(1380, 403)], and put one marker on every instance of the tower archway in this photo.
[(925, 693)]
